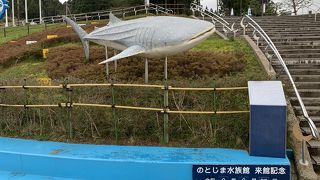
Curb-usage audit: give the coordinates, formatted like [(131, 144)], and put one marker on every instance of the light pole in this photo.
[(26, 10), (12, 9)]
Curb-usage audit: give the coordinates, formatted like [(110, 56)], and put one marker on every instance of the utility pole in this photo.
[(26, 10), (40, 12), (12, 10)]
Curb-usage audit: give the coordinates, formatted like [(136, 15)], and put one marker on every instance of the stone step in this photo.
[(307, 130), (292, 43), (312, 110), (294, 47), (306, 92), (302, 78), (303, 66), (308, 85), (314, 144), (293, 51), (307, 101), (300, 55), (298, 61), (315, 119), (294, 71), (315, 160)]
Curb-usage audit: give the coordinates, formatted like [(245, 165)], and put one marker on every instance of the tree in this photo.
[(296, 5), (240, 7)]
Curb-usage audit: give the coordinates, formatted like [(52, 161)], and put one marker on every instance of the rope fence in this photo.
[(165, 110)]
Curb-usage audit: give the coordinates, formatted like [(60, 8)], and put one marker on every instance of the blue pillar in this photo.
[(267, 119)]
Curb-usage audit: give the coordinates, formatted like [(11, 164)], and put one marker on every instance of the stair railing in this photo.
[(266, 38), (214, 18), (161, 9)]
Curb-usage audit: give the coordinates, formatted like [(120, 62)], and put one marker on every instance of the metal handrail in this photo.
[(214, 17), (263, 34), (315, 14)]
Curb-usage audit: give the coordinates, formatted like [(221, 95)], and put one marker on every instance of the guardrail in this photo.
[(266, 38), (165, 110), (214, 18)]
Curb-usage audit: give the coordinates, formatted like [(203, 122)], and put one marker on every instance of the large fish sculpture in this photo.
[(155, 37), (3, 7)]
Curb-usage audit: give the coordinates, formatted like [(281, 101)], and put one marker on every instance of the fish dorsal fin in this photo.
[(130, 51), (113, 19)]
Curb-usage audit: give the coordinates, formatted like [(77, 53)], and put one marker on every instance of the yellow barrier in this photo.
[(52, 36), (45, 53), (94, 23)]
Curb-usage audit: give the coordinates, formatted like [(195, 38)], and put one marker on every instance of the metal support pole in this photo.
[(40, 12), (165, 113), (115, 62), (303, 160), (5, 32), (69, 108), (146, 73), (25, 100), (166, 69), (214, 117), (107, 64), (26, 10), (114, 115), (12, 9)]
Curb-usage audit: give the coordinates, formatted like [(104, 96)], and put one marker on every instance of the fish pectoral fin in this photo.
[(130, 51)]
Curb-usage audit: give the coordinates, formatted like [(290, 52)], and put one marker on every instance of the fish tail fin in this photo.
[(81, 33)]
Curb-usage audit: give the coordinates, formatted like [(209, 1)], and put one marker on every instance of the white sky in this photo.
[(213, 4), (62, 1)]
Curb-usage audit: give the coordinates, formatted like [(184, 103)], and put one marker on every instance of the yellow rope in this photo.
[(34, 106), (31, 87), (207, 112), (123, 107), (207, 89)]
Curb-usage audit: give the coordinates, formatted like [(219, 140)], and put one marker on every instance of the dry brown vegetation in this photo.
[(69, 61)]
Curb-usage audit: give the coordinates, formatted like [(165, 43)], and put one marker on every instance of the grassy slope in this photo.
[(185, 130), (13, 33)]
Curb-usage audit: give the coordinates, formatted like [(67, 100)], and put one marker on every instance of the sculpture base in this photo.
[(28, 159)]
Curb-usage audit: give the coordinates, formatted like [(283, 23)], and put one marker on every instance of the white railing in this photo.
[(214, 18), (105, 14), (266, 38)]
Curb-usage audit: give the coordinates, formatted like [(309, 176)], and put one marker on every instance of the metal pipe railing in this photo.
[(105, 13), (194, 6), (256, 26)]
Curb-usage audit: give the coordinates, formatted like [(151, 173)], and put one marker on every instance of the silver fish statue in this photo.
[(154, 37)]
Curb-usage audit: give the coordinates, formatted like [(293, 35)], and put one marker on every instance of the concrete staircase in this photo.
[(298, 40)]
